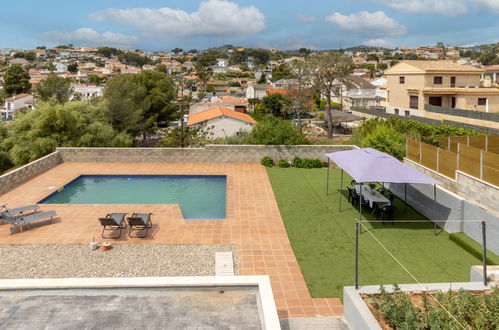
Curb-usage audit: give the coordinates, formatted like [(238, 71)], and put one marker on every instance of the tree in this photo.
[(382, 66), (5, 162), (96, 80), (261, 56), (301, 72), (108, 52), (54, 89), (191, 137), (274, 131), (263, 79), (41, 47), (372, 57), (73, 67), (139, 104), (305, 51), (177, 51), (329, 71), (203, 74), (487, 58), (209, 58), (276, 104), (282, 71), (16, 80), (134, 59), (75, 124)]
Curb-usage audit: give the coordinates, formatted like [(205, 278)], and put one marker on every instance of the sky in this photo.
[(292, 24)]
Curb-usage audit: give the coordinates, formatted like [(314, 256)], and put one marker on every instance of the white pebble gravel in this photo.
[(134, 260)]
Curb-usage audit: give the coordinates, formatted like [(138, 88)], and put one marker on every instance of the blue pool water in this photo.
[(199, 196)]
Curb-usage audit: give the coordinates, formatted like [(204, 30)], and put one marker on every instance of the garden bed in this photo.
[(420, 310)]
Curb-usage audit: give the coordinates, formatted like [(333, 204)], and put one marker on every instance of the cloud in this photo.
[(443, 7), (306, 18), (487, 5), (376, 24), (213, 18), (379, 43), (89, 36)]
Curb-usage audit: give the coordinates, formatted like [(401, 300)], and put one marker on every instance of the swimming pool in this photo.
[(199, 196)]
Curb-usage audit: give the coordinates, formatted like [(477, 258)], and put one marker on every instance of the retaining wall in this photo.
[(14, 178), (209, 154), (456, 200)]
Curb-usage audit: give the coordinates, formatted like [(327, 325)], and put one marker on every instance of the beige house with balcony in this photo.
[(413, 84)]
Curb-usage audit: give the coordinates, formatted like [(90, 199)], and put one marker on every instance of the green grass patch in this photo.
[(323, 238), (473, 248)]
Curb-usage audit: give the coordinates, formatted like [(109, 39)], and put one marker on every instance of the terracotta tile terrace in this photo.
[(253, 223)]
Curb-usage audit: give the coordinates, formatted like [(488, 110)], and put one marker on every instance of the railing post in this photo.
[(458, 156), (448, 143), (481, 164), (357, 228), (420, 152), (486, 143), (438, 160)]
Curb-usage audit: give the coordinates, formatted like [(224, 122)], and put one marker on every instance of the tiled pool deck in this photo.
[(253, 223)]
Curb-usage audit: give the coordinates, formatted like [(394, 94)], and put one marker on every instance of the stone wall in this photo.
[(209, 154), (14, 178)]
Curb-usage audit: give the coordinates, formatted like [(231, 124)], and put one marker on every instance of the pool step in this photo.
[(224, 264)]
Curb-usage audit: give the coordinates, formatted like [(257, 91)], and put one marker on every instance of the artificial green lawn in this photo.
[(323, 238)]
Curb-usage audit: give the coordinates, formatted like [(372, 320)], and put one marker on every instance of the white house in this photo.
[(380, 84), (60, 67), (218, 69), (256, 91), (14, 104), (223, 62), (222, 122), (87, 92)]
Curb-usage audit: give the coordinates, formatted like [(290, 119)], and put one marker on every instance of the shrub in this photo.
[(273, 131), (283, 163), (267, 162), (297, 162), (311, 163)]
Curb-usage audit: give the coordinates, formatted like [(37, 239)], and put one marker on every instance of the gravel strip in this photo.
[(134, 260)]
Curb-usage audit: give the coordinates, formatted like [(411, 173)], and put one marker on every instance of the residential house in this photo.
[(236, 103), (222, 122), (357, 91), (223, 62), (285, 83), (15, 103), (218, 69), (87, 92), (413, 84), (380, 84), (256, 91), (491, 76)]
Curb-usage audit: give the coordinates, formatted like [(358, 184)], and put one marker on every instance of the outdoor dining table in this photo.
[(372, 196)]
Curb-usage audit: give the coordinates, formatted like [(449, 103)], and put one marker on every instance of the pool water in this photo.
[(199, 196)]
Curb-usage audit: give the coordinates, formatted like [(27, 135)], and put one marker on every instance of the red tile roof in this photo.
[(218, 112), (16, 97)]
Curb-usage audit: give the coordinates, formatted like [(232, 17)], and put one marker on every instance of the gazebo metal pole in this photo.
[(327, 178), (360, 203), (341, 187), (484, 253), (405, 197), (357, 228)]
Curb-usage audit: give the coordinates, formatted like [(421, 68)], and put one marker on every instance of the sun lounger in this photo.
[(113, 222), (26, 220), (139, 222), (18, 211)]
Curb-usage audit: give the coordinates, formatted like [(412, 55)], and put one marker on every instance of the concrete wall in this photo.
[(359, 317), (14, 178), (209, 154), (454, 201)]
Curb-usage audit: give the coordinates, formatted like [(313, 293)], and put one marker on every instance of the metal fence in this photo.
[(476, 162), (381, 112), (463, 113)]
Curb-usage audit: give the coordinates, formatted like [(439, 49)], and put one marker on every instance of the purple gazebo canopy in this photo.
[(369, 165)]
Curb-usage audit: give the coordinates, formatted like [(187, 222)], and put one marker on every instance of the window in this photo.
[(402, 80), (453, 102), (414, 102), (437, 80), (482, 101), (407, 113), (452, 81), (397, 112)]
